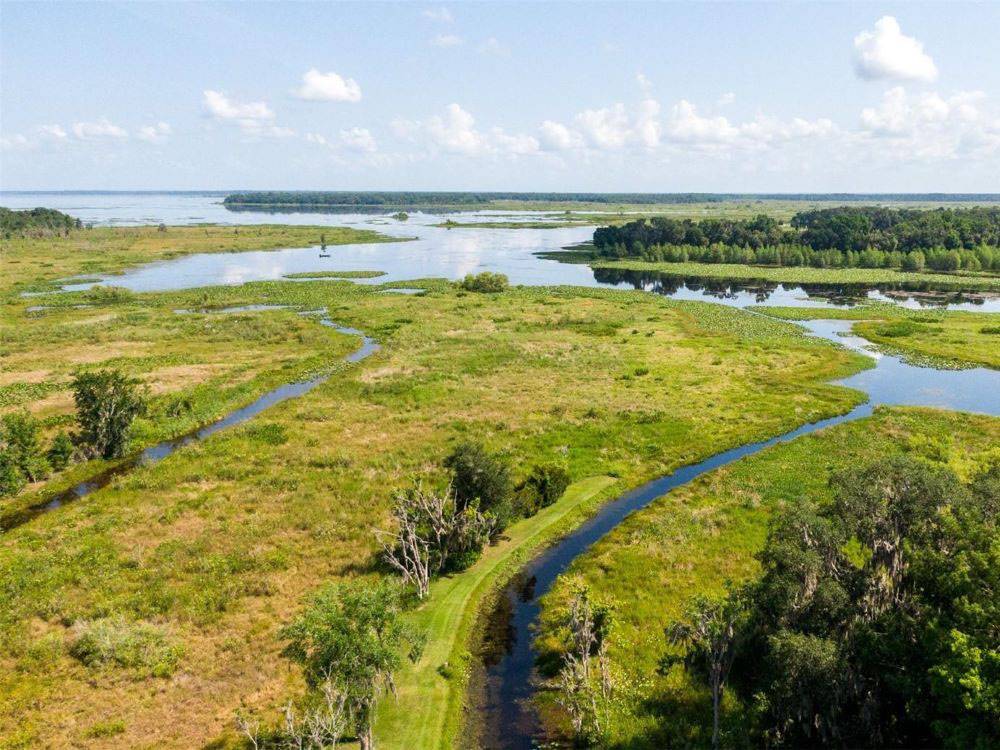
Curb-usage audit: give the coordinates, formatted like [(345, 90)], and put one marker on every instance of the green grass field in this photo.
[(701, 535)]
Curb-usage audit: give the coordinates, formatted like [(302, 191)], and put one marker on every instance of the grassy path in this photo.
[(427, 711)]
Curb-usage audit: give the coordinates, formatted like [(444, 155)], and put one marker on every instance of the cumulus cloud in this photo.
[(253, 118), (327, 87), (224, 108), (157, 133), (441, 15), (558, 137), (930, 126), (359, 139), (16, 142), (56, 132), (446, 40), (886, 52), (455, 132), (102, 129)]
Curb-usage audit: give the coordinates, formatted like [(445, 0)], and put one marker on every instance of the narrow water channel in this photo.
[(507, 670), (158, 452)]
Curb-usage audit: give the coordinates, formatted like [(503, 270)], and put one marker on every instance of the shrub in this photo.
[(550, 482), (114, 641), (485, 282), (20, 441), (61, 451), (107, 402), (990, 329), (478, 475), (109, 295), (11, 478)]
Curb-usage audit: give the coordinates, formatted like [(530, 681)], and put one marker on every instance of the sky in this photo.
[(609, 97)]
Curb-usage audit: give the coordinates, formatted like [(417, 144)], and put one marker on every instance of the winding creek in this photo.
[(508, 678)]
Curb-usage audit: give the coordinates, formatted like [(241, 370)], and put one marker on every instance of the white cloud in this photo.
[(644, 83), (929, 126), (441, 15), (253, 118), (223, 108), (16, 142), (327, 87), (55, 132), (446, 40), (455, 132), (359, 139), (605, 128), (557, 137), (157, 133), (726, 99), (886, 52), (612, 128), (101, 129), (687, 125)]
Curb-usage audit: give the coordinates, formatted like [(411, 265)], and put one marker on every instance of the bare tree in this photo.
[(429, 528), (249, 727)]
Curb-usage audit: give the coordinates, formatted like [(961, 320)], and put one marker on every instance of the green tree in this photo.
[(21, 442), (352, 636), (60, 453), (107, 402), (479, 476)]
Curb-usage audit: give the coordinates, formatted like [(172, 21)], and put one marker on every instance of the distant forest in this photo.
[(868, 237), (35, 222), (339, 199)]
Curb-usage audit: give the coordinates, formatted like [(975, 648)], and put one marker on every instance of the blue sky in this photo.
[(537, 96)]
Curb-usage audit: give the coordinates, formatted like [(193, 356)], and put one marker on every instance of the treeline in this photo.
[(942, 239), (397, 199), (35, 222)]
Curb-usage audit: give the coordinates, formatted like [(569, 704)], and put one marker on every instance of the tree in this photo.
[(19, 439), (60, 453), (107, 402), (480, 476), (352, 637), (588, 625), (431, 533), (710, 631)]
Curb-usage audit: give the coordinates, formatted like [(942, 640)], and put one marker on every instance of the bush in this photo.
[(61, 451), (11, 478), (550, 481), (478, 475), (485, 282), (107, 402), (113, 641), (19, 440)]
